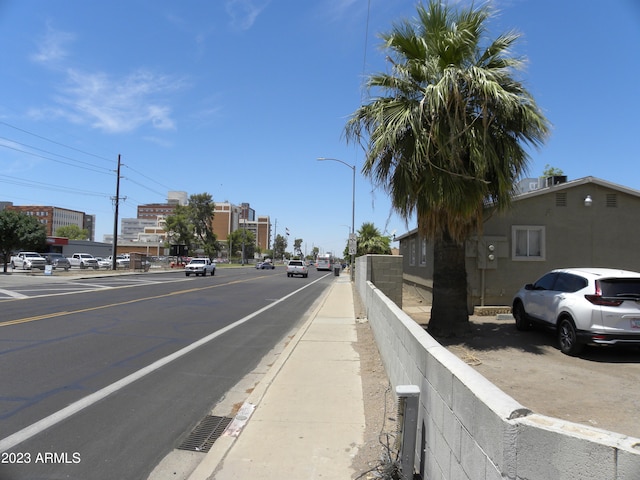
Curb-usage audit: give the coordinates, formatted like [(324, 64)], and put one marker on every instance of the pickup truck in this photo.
[(297, 267), (28, 261), (83, 260), (200, 266), (122, 261)]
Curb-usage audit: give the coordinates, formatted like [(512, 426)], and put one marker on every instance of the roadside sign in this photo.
[(353, 244)]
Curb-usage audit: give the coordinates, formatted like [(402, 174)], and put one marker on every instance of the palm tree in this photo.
[(371, 241), (446, 137)]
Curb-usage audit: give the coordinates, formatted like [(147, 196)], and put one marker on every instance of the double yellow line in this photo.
[(119, 304)]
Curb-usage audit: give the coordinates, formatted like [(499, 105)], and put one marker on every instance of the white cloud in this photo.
[(106, 102), (244, 13), (51, 48), (117, 105)]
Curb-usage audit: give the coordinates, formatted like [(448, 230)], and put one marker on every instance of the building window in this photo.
[(423, 251), (528, 243)]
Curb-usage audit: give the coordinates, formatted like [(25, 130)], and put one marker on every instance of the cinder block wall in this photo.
[(468, 429), (385, 272)]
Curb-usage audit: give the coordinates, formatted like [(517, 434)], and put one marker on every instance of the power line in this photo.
[(94, 168), (145, 176), (76, 163), (48, 186), (57, 143)]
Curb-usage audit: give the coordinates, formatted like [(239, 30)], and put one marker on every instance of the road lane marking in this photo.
[(119, 304), (12, 294), (41, 425)]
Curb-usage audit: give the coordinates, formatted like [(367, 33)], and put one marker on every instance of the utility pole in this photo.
[(275, 234), (115, 219)]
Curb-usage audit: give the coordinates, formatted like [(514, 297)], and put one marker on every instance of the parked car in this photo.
[(27, 261), (103, 263), (83, 260), (122, 261), (57, 260), (265, 266), (595, 306)]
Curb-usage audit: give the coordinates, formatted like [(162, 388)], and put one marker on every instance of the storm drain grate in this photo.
[(205, 434)]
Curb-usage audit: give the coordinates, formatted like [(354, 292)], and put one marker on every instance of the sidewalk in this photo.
[(305, 420)]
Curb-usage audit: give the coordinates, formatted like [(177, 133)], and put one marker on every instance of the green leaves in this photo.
[(448, 128)]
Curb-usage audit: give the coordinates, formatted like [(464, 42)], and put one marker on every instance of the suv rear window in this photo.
[(620, 287)]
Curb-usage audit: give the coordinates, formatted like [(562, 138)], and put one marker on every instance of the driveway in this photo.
[(600, 388)]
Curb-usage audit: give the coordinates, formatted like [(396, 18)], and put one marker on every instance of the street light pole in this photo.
[(353, 205)]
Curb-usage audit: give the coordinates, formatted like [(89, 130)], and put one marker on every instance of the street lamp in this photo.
[(353, 204)]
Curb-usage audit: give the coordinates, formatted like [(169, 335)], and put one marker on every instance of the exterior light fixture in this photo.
[(588, 201)]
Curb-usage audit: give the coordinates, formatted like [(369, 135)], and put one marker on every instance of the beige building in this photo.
[(587, 222), (55, 217)]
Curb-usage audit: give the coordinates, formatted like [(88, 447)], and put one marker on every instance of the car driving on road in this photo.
[(265, 266), (596, 306), (297, 267), (200, 266)]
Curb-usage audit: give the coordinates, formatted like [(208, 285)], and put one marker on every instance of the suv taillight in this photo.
[(598, 299)]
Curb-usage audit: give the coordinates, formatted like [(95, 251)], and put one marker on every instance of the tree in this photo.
[(192, 225), (72, 232), (201, 212), (178, 226), (297, 247), (446, 137), (279, 247), (550, 171), (19, 231), (370, 241), (240, 236)]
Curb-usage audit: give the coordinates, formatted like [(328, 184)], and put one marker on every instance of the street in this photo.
[(102, 377)]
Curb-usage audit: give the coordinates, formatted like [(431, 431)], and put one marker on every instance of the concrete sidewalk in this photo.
[(305, 420)]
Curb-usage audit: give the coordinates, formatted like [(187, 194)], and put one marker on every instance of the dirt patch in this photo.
[(374, 459), (600, 388)]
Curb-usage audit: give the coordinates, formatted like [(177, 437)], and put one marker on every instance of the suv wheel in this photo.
[(520, 317), (567, 337)]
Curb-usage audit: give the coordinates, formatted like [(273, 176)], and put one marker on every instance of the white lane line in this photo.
[(12, 294), (57, 417)]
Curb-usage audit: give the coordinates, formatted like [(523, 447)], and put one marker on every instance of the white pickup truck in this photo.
[(297, 267), (83, 260), (200, 266), (28, 261)]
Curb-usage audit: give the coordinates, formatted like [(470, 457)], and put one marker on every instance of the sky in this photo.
[(238, 99)]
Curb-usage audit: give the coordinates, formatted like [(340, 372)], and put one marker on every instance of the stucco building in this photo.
[(584, 222)]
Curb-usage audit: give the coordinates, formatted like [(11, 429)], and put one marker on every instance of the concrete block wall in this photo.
[(468, 429), (384, 271)]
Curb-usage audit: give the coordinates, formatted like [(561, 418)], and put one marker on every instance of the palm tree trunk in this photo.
[(449, 315)]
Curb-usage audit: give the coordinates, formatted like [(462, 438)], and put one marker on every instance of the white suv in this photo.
[(597, 306)]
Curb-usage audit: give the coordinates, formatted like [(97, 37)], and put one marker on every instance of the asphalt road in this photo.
[(102, 377)]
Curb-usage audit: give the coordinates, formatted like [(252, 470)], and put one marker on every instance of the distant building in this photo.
[(261, 229), (226, 219), (55, 217)]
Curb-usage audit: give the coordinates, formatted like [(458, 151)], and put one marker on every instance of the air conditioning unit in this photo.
[(408, 401)]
